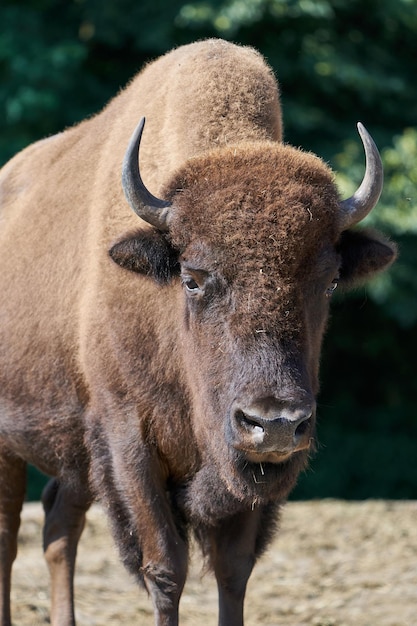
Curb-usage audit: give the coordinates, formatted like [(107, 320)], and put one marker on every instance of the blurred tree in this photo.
[(338, 62)]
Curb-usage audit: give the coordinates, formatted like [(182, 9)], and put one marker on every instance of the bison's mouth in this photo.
[(271, 457), (267, 477)]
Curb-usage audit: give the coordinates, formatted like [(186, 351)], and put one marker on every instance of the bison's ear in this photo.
[(364, 253), (147, 252)]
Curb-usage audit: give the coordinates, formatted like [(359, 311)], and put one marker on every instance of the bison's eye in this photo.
[(331, 288), (190, 284), (194, 282)]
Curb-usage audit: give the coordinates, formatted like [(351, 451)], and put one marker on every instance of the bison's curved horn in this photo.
[(144, 204), (355, 208)]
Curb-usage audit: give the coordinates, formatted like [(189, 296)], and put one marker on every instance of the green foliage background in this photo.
[(337, 62)]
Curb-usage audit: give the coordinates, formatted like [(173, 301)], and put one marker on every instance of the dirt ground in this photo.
[(332, 564)]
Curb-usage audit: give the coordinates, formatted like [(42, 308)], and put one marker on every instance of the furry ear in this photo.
[(147, 252), (364, 253)]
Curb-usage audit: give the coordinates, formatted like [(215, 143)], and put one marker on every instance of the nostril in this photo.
[(249, 423), (302, 428)]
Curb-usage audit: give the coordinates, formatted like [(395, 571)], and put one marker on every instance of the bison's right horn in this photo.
[(144, 204)]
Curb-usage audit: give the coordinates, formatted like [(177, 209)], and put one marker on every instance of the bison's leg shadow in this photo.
[(12, 493), (65, 512)]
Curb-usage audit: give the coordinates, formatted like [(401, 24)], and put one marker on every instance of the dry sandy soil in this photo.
[(332, 564)]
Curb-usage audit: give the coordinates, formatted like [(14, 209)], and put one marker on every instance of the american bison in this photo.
[(164, 360)]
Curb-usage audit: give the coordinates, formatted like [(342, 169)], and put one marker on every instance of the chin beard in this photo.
[(216, 492)]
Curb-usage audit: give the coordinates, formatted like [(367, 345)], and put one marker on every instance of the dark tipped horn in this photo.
[(355, 208), (147, 206)]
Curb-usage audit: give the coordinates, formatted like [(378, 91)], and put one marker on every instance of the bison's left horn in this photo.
[(354, 209), (144, 204)]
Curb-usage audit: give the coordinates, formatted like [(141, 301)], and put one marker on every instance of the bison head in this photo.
[(258, 239)]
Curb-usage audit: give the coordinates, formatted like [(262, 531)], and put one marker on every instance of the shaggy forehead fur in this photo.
[(266, 214), (255, 198)]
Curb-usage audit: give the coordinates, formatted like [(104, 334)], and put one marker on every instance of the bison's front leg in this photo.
[(234, 546), (164, 553), (132, 488)]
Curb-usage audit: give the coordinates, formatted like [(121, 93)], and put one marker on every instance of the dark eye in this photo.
[(332, 287), (191, 285)]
